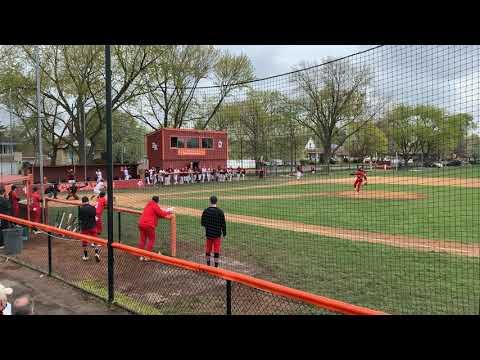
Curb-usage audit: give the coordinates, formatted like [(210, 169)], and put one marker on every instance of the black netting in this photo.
[(354, 178)]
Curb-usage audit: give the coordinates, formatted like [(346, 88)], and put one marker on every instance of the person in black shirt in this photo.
[(213, 219), (4, 209), (52, 190), (88, 226), (72, 191)]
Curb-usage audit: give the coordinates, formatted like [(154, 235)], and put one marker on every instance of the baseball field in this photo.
[(408, 243)]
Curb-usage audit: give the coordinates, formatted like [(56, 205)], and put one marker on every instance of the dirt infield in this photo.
[(376, 195), (401, 241)]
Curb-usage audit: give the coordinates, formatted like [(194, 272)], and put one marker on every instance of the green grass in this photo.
[(127, 302), (447, 213), (378, 276)]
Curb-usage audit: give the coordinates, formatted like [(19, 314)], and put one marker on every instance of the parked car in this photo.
[(455, 163)]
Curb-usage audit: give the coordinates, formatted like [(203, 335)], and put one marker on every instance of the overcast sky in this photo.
[(271, 60), (445, 76)]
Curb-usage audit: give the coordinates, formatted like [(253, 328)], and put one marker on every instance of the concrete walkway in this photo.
[(51, 296)]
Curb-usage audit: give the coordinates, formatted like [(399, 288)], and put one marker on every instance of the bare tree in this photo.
[(171, 85), (333, 101)]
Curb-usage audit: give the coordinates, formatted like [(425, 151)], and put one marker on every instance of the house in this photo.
[(10, 158), (314, 153)]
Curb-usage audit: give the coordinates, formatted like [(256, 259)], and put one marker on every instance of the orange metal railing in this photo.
[(277, 289)]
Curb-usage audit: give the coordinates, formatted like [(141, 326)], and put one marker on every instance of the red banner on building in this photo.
[(191, 152)]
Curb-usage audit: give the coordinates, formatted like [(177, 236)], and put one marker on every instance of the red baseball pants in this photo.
[(147, 233)]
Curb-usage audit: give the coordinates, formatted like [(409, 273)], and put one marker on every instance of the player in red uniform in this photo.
[(36, 208), (148, 222), (360, 175), (99, 207), (14, 198)]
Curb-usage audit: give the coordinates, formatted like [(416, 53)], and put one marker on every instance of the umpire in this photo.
[(213, 219)]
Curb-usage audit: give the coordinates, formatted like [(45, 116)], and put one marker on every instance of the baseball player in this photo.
[(88, 226), (99, 187), (72, 191), (213, 220), (99, 207), (360, 175), (14, 198), (99, 175), (148, 222), (70, 176), (299, 172), (36, 208)]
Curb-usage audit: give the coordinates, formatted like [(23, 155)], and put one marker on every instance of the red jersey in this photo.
[(36, 200), (100, 206), (151, 213), (361, 174), (14, 199)]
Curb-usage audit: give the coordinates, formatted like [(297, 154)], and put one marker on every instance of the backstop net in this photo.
[(356, 178), (402, 236)]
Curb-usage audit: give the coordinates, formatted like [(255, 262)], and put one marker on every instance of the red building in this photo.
[(177, 148)]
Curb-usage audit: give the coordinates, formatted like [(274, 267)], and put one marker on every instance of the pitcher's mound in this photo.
[(381, 195)]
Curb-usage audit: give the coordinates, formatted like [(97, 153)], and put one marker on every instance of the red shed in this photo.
[(177, 148)]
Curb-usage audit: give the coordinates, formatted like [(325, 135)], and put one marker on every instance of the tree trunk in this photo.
[(53, 158), (327, 154)]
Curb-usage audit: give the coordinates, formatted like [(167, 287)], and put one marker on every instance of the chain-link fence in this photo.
[(400, 235), (155, 287), (404, 239)]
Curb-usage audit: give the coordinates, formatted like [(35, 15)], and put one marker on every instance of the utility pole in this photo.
[(39, 128)]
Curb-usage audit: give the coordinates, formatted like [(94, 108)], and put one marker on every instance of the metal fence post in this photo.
[(49, 254), (229, 297), (109, 166), (119, 227)]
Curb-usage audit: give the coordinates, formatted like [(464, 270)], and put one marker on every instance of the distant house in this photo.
[(314, 153), (10, 158)]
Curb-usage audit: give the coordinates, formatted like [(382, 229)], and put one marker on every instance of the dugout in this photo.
[(178, 148)]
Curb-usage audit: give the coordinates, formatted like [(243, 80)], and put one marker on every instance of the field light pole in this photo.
[(39, 128), (108, 120)]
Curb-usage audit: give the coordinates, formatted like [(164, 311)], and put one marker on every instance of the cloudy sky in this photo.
[(271, 60), (445, 76)]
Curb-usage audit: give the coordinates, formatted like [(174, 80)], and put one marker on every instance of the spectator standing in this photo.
[(88, 226), (213, 220)]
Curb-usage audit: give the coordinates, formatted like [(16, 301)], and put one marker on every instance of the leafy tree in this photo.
[(367, 141), (172, 98), (72, 79), (334, 101)]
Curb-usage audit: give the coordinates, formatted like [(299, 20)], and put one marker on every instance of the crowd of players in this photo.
[(191, 175)]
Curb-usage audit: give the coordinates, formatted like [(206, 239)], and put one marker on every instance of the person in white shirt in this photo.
[(99, 175), (126, 174), (175, 176), (150, 173), (98, 189), (5, 307)]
